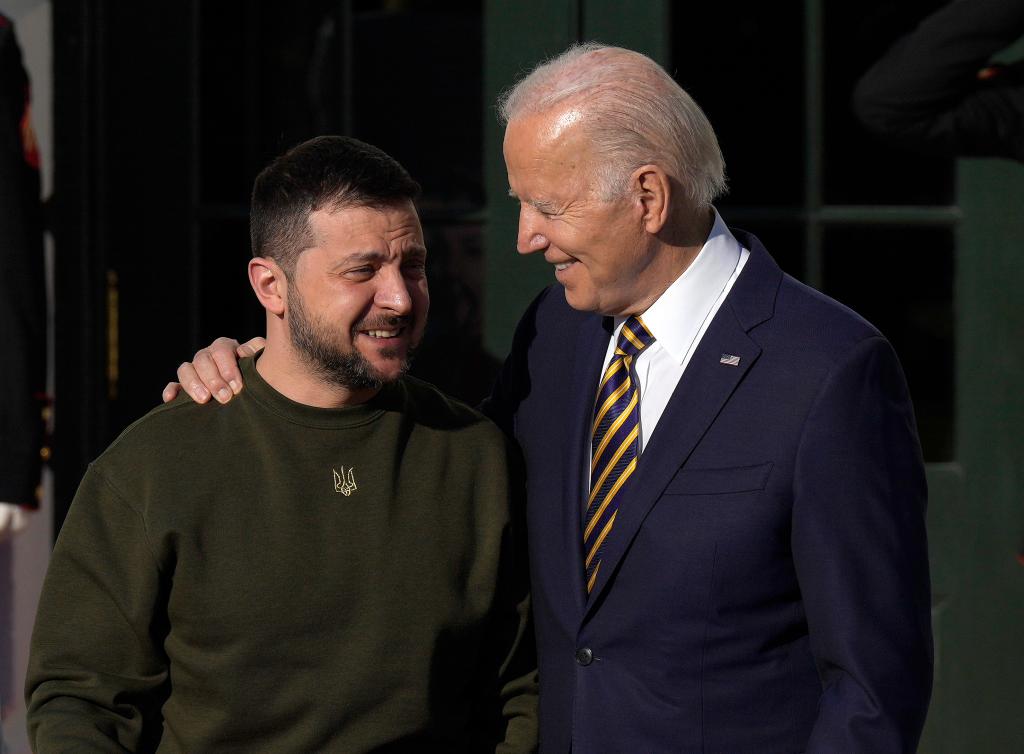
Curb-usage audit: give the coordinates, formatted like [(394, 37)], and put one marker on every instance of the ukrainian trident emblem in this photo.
[(344, 483)]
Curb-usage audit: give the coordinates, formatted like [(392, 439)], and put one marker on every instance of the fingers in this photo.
[(208, 366), (191, 383), (225, 362), (213, 371), (171, 391), (250, 348)]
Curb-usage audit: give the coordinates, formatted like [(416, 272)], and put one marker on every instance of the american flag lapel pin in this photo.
[(730, 359)]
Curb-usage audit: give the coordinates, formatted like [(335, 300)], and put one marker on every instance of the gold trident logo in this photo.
[(345, 484)]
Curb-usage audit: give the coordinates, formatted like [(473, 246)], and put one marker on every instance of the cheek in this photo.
[(604, 266), (620, 256), (351, 310)]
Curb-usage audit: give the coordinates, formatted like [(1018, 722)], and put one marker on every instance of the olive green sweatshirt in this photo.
[(266, 576)]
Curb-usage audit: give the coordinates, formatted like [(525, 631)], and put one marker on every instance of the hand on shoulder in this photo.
[(213, 371)]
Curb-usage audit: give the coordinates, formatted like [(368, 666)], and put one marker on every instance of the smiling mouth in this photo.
[(382, 334), (565, 265), (383, 328)]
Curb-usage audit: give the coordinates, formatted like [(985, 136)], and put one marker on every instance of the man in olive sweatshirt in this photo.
[(332, 561)]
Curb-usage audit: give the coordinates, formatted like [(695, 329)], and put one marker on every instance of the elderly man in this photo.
[(328, 563), (725, 488)]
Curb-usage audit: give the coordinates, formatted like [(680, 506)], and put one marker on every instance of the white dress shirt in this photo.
[(678, 320)]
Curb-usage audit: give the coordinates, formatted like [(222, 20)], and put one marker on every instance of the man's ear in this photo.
[(653, 190), (269, 283)]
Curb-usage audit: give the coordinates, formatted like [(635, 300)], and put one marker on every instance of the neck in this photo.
[(289, 374), (677, 247)]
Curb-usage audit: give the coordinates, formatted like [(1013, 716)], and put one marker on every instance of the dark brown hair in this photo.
[(331, 172)]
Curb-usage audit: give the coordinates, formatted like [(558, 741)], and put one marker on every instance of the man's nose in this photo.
[(530, 237), (393, 292)]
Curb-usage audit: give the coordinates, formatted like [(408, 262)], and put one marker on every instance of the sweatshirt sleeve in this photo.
[(97, 672)]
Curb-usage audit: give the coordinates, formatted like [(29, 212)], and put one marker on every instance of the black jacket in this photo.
[(22, 291), (936, 91)]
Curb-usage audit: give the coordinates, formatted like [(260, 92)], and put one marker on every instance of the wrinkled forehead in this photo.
[(560, 134), (389, 220), (385, 233), (553, 148)]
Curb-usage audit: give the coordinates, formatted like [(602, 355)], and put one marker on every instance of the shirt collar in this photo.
[(678, 314)]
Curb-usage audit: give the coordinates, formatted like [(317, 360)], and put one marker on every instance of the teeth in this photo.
[(564, 265), (382, 333)]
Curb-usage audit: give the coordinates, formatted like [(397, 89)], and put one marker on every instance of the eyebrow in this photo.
[(414, 252), (361, 256), (540, 204)]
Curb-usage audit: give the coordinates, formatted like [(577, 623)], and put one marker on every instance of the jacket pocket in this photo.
[(719, 481)]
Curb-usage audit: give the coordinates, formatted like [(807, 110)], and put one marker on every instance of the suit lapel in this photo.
[(592, 344), (702, 391)]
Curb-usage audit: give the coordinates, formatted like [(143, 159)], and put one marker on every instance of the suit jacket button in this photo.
[(584, 656)]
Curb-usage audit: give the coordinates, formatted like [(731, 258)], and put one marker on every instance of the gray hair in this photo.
[(637, 115)]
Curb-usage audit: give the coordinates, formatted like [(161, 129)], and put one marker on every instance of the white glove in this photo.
[(13, 518)]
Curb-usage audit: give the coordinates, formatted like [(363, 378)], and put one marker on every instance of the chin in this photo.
[(580, 301), (390, 367)]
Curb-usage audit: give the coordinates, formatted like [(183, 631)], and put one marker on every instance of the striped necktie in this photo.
[(614, 445)]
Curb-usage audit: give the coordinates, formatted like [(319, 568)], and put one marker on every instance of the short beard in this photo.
[(318, 346)]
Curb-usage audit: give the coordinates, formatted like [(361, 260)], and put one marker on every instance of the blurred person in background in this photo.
[(937, 90), (22, 295)]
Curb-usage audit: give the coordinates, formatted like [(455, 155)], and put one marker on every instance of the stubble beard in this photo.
[(317, 344)]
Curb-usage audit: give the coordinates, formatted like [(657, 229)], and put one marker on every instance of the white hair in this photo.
[(636, 115)]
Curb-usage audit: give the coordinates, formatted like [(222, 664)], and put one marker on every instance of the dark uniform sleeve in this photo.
[(22, 291), (97, 675), (925, 93)]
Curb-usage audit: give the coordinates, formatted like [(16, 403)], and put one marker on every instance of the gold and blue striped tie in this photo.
[(615, 443)]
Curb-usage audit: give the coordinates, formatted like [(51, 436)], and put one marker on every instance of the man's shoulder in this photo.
[(821, 316), (551, 307), (816, 332), (171, 430), (550, 323), (430, 406), (798, 316)]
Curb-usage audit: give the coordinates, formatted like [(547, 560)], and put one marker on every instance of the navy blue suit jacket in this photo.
[(765, 586)]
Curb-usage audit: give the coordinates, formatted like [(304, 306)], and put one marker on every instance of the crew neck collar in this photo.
[(260, 390)]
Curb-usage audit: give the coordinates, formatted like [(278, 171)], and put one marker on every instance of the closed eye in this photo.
[(546, 208), (360, 273)]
